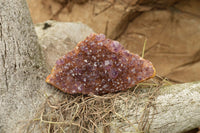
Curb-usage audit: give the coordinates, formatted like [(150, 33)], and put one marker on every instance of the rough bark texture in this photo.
[(174, 109), (20, 65)]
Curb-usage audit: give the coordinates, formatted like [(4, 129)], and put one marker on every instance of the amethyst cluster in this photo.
[(98, 65)]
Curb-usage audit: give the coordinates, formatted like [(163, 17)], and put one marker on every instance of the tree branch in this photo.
[(173, 109), (20, 65)]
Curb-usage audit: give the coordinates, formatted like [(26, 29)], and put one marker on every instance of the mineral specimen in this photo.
[(98, 65)]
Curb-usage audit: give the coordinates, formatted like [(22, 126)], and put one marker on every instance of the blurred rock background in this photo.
[(171, 27)]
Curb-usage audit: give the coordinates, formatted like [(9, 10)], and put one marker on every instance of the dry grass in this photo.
[(92, 113)]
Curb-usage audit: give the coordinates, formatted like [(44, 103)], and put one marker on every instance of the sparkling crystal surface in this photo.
[(98, 65)]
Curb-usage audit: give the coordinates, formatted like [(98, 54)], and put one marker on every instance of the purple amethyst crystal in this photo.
[(98, 65)]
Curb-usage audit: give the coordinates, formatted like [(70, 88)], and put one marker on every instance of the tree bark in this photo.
[(20, 65), (170, 109)]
